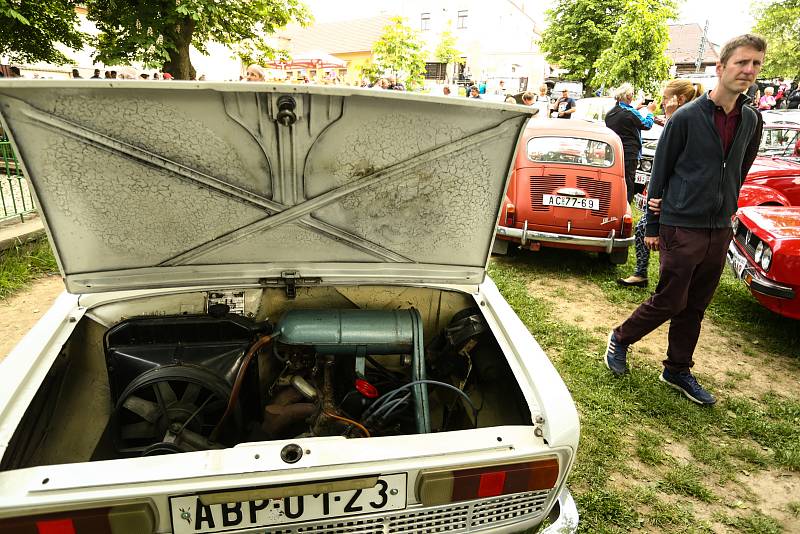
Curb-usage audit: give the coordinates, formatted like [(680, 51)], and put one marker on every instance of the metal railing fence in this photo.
[(15, 196)]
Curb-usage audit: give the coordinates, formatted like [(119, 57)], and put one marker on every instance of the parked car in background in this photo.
[(781, 116), (575, 89), (593, 108), (277, 318), (567, 190), (765, 255)]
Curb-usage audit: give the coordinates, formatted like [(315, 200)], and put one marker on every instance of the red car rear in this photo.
[(567, 191)]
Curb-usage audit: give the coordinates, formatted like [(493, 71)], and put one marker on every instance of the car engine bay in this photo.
[(188, 383)]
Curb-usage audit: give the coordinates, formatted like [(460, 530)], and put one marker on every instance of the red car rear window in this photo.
[(570, 150)]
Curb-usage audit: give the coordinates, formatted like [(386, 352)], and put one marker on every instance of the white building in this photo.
[(498, 39)]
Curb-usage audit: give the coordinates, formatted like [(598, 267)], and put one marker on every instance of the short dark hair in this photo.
[(748, 40)]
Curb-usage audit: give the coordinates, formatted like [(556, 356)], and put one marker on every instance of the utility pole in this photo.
[(702, 50)]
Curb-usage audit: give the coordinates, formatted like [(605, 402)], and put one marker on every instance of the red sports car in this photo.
[(765, 254)]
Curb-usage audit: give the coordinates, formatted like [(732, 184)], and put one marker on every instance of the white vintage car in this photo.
[(277, 318)]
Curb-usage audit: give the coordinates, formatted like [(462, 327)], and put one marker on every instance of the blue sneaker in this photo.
[(616, 356), (686, 383)]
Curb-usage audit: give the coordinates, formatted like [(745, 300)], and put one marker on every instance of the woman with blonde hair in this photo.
[(674, 94)]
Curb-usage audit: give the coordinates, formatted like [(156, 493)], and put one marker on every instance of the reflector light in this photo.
[(511, 211), (127, 519), (56, 526), (465, 484), (491, 484)]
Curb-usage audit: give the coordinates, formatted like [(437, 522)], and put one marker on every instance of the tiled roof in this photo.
[(337, 37), (684, 43)]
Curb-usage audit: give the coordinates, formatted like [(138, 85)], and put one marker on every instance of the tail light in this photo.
[(627, 225), (128, 519), (511, 214), (443, 487)]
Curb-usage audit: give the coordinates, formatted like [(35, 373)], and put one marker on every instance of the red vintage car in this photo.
[(765, 254), (772, 181), (567, 190)]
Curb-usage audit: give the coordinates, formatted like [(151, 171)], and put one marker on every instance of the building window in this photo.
[(425, 21), (462, 20), (435, 71)]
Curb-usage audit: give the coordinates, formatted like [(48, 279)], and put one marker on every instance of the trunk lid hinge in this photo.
[(289, 280)]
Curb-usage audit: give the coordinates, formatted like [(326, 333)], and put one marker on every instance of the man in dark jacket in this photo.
[(628, 122), (703, 155)]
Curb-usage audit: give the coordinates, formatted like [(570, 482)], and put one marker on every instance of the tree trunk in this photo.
[(180, 64)]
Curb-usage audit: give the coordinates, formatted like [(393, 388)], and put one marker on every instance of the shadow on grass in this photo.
[(733, 307)]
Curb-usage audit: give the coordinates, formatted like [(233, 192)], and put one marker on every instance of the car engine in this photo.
[(197, 382)]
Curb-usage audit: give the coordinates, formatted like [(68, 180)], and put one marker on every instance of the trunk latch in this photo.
[(290, 280)]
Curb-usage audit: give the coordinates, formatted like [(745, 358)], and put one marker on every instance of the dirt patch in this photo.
[(21, 311), (733, 365), (719, 354)]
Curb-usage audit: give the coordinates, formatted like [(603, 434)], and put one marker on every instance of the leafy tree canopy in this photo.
[(159, 33), (578, 31), (399, 52), (779, 24), (638, 50), (30, 29), (446, 51)]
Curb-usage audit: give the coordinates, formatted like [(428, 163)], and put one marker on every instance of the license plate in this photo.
[(191, 516), (737, 265), (642, 177), (571, 202)]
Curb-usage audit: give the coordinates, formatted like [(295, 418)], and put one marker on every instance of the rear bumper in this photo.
[(524, 236), (564, 515), (742, 268)]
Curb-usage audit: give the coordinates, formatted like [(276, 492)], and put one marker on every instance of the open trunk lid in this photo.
[(167, 184)]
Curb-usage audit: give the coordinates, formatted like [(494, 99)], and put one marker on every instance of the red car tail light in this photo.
[(627, 225), (129, 519), (443, 487), (511, 214)]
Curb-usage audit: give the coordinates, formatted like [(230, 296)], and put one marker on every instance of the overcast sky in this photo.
[(727, 18)]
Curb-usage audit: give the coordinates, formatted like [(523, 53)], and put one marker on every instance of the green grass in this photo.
[(754, 523), (21, 264), (685, 480), (636, 417)]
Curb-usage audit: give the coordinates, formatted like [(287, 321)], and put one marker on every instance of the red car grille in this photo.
[(747, 239), (597, 189), (544, 185)]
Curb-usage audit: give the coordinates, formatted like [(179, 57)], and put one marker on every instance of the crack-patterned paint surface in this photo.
[(120, 212), (289, 242), (447, 192), (164, 130)]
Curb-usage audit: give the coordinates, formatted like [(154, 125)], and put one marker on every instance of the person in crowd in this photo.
[(704, 152), (113, 75), (381, 83), (107, 75), (511, 100), (76, 75), (481, 87), (501, 88), (794, 97), (144, 76), (625, 120), (15, 72), (127, 73), (255, 73), (565, 106), (767, 101), (202, 78), (167, 76), (542, 102), (156, 76), (675, 94), (96, 75), (446, 90), (473, 92), (527, 98)]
